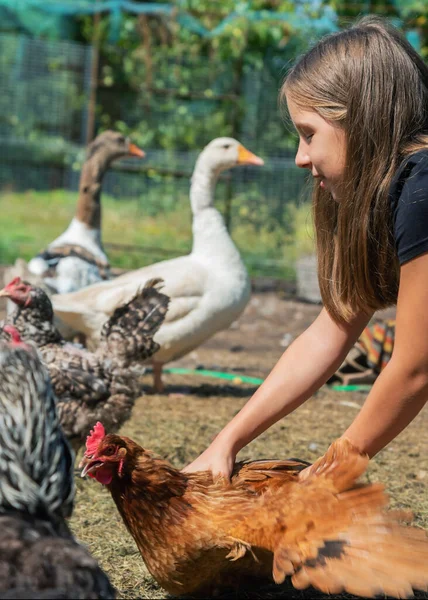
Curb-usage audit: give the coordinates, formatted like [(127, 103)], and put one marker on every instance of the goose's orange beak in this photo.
[(245, 157), (134, 150)]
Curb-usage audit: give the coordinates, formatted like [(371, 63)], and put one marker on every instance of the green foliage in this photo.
[(41, 95), (174, 89), (412, 13)]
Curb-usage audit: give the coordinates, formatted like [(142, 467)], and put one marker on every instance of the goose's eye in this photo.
[(226, 146)]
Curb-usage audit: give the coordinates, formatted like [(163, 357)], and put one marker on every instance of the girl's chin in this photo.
[(328, 188)]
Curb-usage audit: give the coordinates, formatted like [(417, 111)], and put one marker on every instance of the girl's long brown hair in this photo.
[(371, 82)]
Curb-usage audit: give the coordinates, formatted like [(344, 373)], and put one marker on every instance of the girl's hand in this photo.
[(216, 459), (303, 475)]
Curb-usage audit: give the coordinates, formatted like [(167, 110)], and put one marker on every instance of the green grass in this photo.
[(33, 219)]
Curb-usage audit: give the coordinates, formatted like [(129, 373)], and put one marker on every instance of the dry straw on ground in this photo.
[(178, 427)]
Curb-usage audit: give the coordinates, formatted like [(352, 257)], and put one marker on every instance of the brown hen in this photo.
[(197, 535), (91, 385)]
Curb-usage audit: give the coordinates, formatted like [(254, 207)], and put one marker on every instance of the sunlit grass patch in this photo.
[(152, 229)]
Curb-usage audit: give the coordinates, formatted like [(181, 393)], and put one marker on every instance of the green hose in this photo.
[(356, 387), (217, 374), (255, 380)]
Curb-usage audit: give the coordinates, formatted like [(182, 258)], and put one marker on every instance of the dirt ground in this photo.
[(181, 423)]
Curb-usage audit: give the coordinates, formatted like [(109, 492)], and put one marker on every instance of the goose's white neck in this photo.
[(82, 235), (202, 187), (211, 240), (81, 232)]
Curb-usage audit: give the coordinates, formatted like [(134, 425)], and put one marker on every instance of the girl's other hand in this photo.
[(305, 474), (216, 459)]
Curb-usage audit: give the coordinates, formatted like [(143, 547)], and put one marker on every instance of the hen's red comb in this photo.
[(14, 333), (11, 284), (94, 438)]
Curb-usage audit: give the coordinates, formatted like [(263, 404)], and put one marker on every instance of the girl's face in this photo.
[(322, 148)]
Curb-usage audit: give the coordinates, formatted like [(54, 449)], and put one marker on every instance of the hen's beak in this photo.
[(134, 150), (89, 465), (245, 157), (4, 293)]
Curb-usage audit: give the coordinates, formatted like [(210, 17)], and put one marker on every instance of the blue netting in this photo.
[(52, 18), (44, 89), (33, 14)]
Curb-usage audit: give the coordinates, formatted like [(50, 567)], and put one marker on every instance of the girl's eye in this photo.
[(309, 137)]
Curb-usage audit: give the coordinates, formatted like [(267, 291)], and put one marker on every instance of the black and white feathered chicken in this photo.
[(39, 558), (91, 386)]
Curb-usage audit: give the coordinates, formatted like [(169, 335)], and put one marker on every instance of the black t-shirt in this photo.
[(409, 202)]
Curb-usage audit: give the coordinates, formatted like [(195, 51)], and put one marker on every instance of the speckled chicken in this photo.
[(39, 557), (91, 385), (197, 535)]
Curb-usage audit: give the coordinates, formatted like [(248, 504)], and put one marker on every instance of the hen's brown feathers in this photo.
[(260, 475), (323, 529)]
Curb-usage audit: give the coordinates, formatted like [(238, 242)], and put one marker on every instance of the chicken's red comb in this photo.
[(94, 438), (15, 281)]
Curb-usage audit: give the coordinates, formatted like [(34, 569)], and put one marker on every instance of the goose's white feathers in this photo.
[(209, 288)]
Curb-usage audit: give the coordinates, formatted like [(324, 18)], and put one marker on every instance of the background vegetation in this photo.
[(172, 81)]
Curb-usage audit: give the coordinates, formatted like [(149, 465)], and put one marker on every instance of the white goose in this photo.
[(76, 258), (209, 288)]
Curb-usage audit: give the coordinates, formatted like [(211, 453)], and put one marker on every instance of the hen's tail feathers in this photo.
[(129, 331), (339, 467), (371, 557), (343, 539), (328, 531)]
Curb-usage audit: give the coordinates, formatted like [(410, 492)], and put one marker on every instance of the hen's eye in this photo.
[(109, 451), (226, 146)]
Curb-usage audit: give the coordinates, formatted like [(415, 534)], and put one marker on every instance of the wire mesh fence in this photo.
[(44, 90)]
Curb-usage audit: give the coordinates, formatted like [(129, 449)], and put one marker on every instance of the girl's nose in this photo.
[(302, 158)]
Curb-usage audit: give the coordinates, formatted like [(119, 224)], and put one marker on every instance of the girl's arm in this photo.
[(401, 390), (303, 368)]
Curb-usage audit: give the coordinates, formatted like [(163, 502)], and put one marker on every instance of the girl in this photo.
[(359, 102)]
